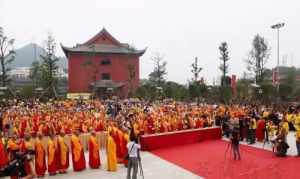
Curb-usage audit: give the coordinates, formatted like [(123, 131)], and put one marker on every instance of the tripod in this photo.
[(141, 168), (229, 145), (266, 140), (140, 164)]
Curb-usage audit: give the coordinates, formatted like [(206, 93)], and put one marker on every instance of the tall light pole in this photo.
[(277, 27)]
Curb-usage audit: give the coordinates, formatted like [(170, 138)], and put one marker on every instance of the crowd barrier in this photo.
[(184, 137)]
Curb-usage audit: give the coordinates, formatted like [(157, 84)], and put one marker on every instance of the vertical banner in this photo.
[(233, 84), (275, 79)]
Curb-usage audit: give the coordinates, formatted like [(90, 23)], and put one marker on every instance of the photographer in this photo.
[(280, 143), (133, 154), (235, 138), (17, 168)]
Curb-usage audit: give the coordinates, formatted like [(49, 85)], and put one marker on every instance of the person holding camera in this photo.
[(133, 157)]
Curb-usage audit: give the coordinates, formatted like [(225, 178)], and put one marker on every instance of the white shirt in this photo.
[(134, 151)]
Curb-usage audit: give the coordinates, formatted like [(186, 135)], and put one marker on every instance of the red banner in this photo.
[(275, 77)]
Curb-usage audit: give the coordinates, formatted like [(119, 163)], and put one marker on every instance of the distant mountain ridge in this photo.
[(32, 52)]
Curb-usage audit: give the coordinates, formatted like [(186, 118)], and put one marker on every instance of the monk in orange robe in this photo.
[(116, 137), (94, 157), (27, 146), (77, 153), (162, 127), (52, 158), (180, 124), (40, 157), (124, 145), (3, 154), (150, 125), (121, 152), (12, 147), (99, 125), (260, 130), (63, 154)]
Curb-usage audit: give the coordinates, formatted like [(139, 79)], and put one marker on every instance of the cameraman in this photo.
[(280, 142), (133, 153), (235, 138)]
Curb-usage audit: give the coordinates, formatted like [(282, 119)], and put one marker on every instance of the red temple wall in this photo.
[(81, 75)]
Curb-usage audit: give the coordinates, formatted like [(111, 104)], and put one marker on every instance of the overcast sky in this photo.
[(180, 30)]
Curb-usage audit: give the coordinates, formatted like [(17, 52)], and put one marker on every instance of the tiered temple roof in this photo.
[(113, 47)]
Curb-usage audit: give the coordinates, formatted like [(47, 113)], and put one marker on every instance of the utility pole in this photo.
[(277, 27)]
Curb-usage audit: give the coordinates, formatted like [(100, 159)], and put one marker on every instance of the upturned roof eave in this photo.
[(67, 50)]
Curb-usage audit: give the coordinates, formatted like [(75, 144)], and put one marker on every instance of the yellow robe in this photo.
[(111, 154), (285, 125), (51, 151), (63, 150), (77, 148)]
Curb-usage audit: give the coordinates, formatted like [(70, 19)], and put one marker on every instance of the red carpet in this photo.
[(207, 159)]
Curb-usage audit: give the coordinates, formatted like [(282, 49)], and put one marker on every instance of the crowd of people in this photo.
[(24, 124), (265, 125)]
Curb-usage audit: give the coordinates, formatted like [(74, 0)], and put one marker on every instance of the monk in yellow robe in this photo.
[(63, 154), (40, 157), (77, 153), (111, 151), (124, 145), (52, 158)]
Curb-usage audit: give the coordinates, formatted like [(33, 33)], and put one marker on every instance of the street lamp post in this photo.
[(277, 27)]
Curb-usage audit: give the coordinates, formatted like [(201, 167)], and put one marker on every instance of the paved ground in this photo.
[(153, 166)]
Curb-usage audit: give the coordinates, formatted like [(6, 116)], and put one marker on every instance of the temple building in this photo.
[(103, 66)]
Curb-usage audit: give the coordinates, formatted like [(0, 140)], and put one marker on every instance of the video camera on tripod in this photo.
[(16, 167)]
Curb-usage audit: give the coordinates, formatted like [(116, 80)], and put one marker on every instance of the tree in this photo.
[(196, 69), (285, 91), (35, 73), (157, 76), (197, 90), (225, 94), (257, 58), (223, 48), (291, 77), (49, 67), (175, 91), (243, 86), (6, 56), (268, 93), (146, 90)]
